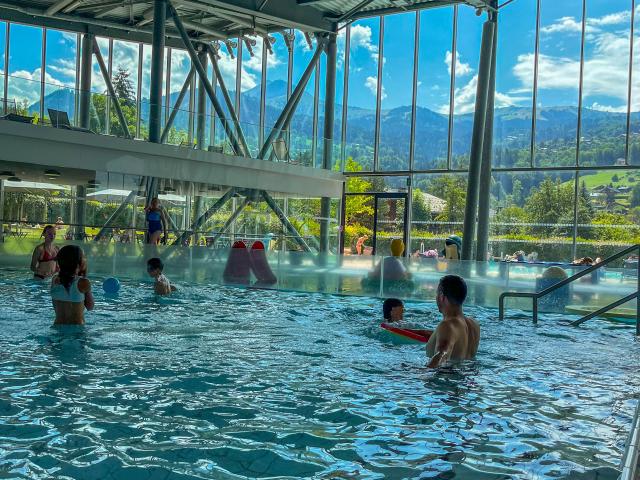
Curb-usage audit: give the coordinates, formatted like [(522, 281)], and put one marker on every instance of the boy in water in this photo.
[(393, 310), (456, 337), (162, 286)]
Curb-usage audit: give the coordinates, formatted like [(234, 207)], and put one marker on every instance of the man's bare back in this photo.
[(456, 337)]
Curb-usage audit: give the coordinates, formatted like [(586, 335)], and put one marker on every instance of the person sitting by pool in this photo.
[(456, 337), (162, 286), (586, 261), (393, 310), (452, 247), (395, 275), (156, 222), (43, 260), (70, 290), (516, 257)]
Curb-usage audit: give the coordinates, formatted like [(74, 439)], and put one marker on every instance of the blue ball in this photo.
[(111, 285)]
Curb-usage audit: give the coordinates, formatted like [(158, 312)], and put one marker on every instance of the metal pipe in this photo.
[(85, 80), (81, 202), (5, 86), (228, 102), (292, 102), (452, 86), (129, 199), (157, 65), (202, 72), (230, 220), (376, 134), (43, 62), (574, 246), (477, 140), (345, 99), (263, 89), (167, 85), (606, 308), (581, 82), (111, 90), (630, 80), (484, 201), (285, 221), (202, 219), (329, 119), (176, 107), (139, 89), (201, 107), (534, 101)]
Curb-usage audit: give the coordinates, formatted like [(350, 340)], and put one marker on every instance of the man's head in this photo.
[(452, 292), (154, 267), (393, 309)]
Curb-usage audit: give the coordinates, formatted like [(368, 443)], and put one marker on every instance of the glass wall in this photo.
[(25, 69), (3, 42), (60, 73)]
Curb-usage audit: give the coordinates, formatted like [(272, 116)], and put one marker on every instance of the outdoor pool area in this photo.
[(222, 382)]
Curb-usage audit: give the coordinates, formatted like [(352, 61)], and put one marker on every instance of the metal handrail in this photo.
[(535, 296)]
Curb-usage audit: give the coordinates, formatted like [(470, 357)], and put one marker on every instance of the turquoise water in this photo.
[(219, 382)]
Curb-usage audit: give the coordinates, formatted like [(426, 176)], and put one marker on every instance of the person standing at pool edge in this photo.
[(43, 260), (456, 337), (156, 221)]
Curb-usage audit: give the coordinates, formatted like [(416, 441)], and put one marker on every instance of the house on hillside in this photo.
[(435, 204)]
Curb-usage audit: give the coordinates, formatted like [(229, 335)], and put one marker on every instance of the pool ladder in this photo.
[(535, 296)]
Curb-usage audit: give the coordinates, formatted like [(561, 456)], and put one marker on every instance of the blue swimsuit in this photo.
[(155, 221)]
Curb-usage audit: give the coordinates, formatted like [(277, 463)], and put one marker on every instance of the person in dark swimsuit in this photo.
[(43, 260), (156, 222)]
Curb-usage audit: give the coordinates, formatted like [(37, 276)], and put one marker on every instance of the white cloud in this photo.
[(25, 85), (465, 99), (611, 19), (563, 25), (608, 108), (462, 69), (372, 84), (361, 38)]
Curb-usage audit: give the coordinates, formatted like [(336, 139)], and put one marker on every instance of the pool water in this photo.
[(219, 382)]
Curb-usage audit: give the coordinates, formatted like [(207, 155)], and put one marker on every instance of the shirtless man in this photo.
[(456, 337)]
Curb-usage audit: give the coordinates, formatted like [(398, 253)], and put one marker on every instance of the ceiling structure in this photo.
[(206, 20)]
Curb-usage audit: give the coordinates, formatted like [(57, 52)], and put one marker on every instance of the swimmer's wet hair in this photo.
[(69, 259), (388, 305), (454, 288), (155, 264), (44, 230)]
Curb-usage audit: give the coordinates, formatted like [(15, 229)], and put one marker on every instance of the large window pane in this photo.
[(514, 85), (606, 80), (438, 209), (609, 213), (467, 57), (434, 84), (397, 92), (250, 92), (228, 64), (60, 73), (25, 58), (532, 212), (145, 91), (363, 90), (301, 129), (558, 82), (180, 66)]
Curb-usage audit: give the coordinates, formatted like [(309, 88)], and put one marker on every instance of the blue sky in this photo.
[(605, 73)]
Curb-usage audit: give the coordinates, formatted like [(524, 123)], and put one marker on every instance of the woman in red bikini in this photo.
[(43, 260)]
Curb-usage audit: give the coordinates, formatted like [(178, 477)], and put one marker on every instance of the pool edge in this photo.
[(629, 465)]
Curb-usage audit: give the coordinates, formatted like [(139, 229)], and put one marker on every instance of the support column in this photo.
[(81, 202), (1, 211), (201, 105), (155, 97), (477, 140), (327, 150), (484, 203), (85, 80)]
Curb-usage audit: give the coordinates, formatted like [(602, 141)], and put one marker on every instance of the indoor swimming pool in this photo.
[(221, 382)]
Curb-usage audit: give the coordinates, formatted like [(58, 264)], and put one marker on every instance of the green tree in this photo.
[(124, 87)]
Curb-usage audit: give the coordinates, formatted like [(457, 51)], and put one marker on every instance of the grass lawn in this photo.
[(605, 178)]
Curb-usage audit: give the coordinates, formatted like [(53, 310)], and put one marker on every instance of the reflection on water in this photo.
[(217, 382)]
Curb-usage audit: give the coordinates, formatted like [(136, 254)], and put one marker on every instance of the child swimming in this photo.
[(70, 291), (393, 310), (162, 286)]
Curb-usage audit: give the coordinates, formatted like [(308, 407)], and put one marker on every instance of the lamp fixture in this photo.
[(14, 179), (169, 189), (52, 173)]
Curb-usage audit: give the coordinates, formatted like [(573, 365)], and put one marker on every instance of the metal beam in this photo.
[(484, 203), (85, 80), (230, 220), (477, 139), (176, 107), (292, 102), (285, 221), (199, 27), (201, 108), (57, 6), (327, 150), (202, 219), (129, 199), (227, 100), (111, 90), (202, 72), (157, 65), (353, 11), (390, 10)]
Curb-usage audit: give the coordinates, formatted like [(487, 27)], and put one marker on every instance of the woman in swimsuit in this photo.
[(156, 222), (43, 260), (70, 290)]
